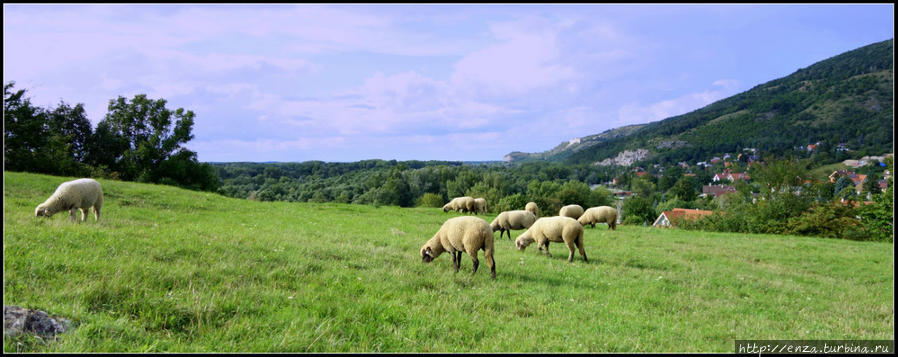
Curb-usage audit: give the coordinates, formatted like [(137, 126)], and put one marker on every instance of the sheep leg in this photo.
[(72, 214), (580, 247), (84, 212), (490, 262), (476, 262), (96, 214), (456, 260), (545, 248), (570, 246)]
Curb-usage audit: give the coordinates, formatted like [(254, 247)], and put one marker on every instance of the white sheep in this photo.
[(462, 234), (573, 211), (81, 194), (533, 208), (554, 229), (460, 204), (508, 220), (601, 214), (480, 205)]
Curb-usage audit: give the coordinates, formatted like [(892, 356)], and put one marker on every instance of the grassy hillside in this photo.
[(173, 270), (844, 99)]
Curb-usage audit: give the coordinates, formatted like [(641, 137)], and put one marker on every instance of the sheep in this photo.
[(460, 204), (601, 214), (81, 194), (480, 205), (462, 234), (554, 229), (508, 220), (533, 208), (573, 211)]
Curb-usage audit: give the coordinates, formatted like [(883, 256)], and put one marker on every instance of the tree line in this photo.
[(141, 140), (138, 140)]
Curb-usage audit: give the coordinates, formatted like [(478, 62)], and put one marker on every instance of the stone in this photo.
[(17, 320)]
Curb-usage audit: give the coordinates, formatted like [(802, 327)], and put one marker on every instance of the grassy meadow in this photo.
[(174, 270)]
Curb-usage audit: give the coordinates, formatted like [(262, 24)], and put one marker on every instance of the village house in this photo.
[(672, 217), (729, 175)]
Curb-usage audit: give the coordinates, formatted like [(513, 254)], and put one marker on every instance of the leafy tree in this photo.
[(600, 196), (878, 218), (146, 126), (638, 210), (25, 133), (143, 141), (685, 189), (575, 192), (779, 176)]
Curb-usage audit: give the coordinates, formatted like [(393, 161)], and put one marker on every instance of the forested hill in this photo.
[(846, 99)]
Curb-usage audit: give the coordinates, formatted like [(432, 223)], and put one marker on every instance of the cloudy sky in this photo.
[(284, 82)]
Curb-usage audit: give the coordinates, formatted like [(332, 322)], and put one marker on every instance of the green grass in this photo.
[(173, 270)]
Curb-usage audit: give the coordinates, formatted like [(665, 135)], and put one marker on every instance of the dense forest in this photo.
[(413, 183)]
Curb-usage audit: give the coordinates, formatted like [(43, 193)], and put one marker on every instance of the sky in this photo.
[(467, 82)]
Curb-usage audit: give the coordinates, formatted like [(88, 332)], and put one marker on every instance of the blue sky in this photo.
[(348, 82)]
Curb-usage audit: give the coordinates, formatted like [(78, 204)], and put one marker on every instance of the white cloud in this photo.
[(636, 114), (527, 58)]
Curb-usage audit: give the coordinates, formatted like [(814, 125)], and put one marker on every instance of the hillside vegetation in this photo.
[(844, 99), (173, 270)]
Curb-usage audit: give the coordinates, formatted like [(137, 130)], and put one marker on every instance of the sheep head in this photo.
[(41, 210), (427, 254), (523, 241)]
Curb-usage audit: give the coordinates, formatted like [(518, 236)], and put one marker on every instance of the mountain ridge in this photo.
[(845, 99)]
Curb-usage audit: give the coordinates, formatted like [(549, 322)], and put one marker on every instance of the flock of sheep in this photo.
[(471, 234), (459, 234)]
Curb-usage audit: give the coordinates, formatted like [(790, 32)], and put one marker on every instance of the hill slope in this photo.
[(845, 99), (172, 270)]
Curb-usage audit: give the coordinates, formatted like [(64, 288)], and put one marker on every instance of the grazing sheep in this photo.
[(508, 220), (601, 214), (81, 194), (480, 205), (462, 234), (533, 208), (460, 204), (554, 229), (573, 211)]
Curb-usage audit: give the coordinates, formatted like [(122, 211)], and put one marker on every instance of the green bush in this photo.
[(430, 200), (831, 219), (516, 201)]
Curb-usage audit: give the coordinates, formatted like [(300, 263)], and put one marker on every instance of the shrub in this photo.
[(430, 200), (833, 220), (516, 201)]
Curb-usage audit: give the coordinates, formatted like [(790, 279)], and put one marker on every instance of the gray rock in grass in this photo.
[(17, 320)]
